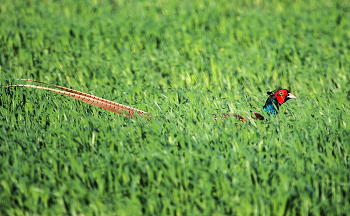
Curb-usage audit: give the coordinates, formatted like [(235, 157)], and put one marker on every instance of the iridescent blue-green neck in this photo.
[(270, 106)]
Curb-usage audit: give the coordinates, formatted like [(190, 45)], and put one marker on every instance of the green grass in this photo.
[(181, 61)]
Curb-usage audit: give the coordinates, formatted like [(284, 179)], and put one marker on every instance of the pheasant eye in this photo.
[(281, 93)]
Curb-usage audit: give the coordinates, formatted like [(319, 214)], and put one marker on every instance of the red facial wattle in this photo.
[(281, 95)]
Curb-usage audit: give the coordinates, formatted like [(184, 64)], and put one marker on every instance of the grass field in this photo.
[(181, 61)]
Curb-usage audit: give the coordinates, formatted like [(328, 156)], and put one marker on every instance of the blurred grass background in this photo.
[(181, 61)]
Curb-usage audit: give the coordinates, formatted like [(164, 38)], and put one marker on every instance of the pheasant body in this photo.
[(274, 101)]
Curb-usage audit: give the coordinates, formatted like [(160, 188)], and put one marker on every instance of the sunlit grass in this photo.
[(181, 61)]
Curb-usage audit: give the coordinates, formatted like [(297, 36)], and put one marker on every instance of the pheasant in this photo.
[(275, 100)]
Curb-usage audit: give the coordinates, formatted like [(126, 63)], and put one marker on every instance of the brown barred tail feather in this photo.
[(87, 98)]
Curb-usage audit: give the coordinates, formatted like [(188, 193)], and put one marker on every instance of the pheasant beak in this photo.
[(290, 96)]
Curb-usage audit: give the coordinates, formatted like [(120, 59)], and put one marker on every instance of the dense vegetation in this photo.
[(181, 61)]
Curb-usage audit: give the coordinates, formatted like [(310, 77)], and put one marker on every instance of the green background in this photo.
[(181, 61)]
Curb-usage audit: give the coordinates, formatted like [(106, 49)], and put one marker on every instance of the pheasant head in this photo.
[(276, 99)]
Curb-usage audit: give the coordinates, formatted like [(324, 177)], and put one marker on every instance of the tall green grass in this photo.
[(181, 61)]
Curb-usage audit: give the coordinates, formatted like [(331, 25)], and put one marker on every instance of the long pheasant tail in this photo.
[(87, 98)]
